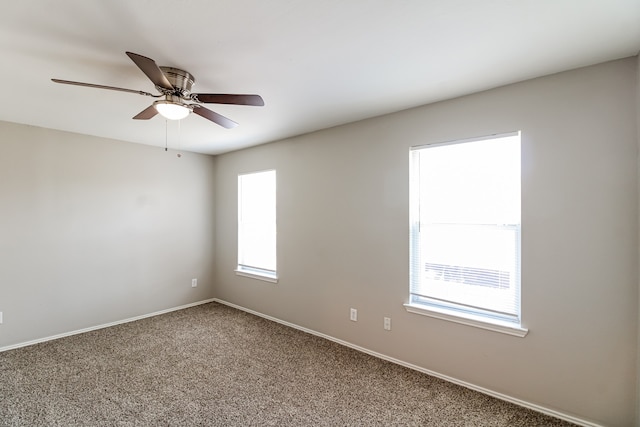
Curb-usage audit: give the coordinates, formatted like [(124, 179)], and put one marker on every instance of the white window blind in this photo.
[(465, 227), (257, 224)]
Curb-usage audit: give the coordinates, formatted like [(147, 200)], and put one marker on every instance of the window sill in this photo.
[(469, 320), (254, 275)]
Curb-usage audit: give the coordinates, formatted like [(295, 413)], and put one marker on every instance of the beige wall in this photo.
[(343, 240), (94, 231)]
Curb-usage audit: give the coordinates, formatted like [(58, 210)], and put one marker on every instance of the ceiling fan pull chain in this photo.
[(165, 133)]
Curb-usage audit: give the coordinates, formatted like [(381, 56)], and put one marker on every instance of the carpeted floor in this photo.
[(213, 365)]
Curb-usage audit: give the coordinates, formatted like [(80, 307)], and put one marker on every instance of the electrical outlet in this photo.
[(387, 323), (194, 283), (354, 315), (0, 317)]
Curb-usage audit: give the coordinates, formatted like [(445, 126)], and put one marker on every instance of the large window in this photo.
[(465, 232), (257, 225)]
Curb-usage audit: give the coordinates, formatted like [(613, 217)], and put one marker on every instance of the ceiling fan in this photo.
[(178, 101)]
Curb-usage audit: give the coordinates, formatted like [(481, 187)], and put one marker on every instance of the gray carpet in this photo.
[(213, 365)]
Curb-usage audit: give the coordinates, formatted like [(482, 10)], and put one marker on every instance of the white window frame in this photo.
[(446, 310), (261, 272)]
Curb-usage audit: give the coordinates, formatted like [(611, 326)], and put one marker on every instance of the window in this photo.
[(465, 232), (257, 225)]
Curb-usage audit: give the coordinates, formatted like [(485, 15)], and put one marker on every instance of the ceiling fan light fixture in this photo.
[(171, 110)]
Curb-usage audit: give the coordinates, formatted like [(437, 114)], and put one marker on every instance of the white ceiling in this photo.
[(317, 64)]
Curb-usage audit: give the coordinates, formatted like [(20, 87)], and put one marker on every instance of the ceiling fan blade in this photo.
[(147, 113), (151, 69), (220, 98), (69, 82), (214, 117)]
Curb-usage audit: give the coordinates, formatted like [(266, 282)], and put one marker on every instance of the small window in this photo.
[(465, 231), (257, 225)]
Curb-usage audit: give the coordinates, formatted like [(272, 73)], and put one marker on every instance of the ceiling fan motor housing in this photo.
[(181, 80)]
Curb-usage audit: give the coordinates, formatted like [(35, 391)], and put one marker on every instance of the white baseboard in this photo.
[(105, 325), (483, 390)]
